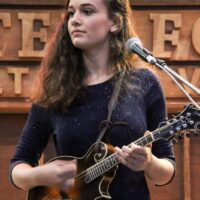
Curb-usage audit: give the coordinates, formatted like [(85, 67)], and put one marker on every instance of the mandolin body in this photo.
[(82, 189)]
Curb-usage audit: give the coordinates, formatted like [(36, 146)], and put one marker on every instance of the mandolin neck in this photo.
[(111, 161)]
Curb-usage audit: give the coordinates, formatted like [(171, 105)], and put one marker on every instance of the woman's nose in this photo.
[(76, 19)]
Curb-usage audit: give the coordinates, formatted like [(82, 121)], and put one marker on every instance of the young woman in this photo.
[(85, 60)]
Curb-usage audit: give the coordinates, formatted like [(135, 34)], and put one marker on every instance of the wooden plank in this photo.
[(133, 2), (14, 94), (11, 127), (16, 81), (176, 105), (14, 107), (173, 106), (165, 2), (186, 169), (33, 2), (195, 167)]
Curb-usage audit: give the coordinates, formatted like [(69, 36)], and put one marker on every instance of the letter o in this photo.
[(196, 35)]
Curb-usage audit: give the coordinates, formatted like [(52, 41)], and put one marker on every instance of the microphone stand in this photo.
[(173, 75)]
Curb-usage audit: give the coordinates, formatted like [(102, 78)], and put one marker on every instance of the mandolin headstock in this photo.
[(185, 124)]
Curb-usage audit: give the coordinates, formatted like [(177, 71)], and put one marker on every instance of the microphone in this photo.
[(134, 45)]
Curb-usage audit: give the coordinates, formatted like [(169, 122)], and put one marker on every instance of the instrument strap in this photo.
[(107, 124)]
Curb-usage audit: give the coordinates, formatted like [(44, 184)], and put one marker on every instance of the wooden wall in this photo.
[(170, 29)]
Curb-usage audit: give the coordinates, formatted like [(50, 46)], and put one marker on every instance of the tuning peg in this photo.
[(178, 128), (171, 132), (184, 125), (191, 122)]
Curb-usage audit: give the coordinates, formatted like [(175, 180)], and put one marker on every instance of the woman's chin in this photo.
[(79, 44), (84, 45)]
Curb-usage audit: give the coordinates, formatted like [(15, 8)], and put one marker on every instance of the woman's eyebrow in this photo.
[(83, 5)]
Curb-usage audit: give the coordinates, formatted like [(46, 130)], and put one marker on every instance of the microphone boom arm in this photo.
[(173, 75)]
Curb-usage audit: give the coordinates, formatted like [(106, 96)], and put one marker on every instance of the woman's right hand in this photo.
[(58, 173)]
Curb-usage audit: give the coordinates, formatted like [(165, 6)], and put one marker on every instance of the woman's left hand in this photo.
[(134, 157)]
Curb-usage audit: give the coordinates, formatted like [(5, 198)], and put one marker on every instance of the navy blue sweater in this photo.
[(76, 130)]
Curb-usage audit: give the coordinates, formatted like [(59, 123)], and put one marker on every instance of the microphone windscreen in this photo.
[(131, 42)]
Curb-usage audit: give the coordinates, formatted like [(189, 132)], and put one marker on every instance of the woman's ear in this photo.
[(116, 24)]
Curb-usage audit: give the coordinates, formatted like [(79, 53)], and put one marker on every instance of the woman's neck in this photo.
[(98, 77), (97, 67)]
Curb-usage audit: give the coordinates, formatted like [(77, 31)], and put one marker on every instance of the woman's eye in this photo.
[(70, 13), (88, 11)]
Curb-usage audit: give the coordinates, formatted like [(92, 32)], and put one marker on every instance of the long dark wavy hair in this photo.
[(61, 74)]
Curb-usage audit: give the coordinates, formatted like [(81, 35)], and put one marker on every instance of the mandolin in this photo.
[(95, 171)]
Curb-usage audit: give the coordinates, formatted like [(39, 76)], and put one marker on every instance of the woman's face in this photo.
[(89, 25)]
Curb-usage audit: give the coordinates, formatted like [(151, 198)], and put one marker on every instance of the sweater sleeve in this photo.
[(33, 139), (156, 113)]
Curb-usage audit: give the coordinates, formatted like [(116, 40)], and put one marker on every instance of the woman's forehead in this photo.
[(80, 2)]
